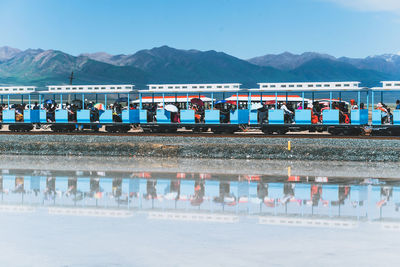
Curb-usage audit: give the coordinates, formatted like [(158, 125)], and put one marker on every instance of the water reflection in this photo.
[(290, 200)]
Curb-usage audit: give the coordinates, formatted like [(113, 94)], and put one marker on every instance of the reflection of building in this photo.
[(223, 198)]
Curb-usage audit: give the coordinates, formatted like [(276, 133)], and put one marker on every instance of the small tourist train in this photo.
[(341, 108)]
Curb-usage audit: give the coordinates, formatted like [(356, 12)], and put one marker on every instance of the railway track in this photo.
[(209, 135)]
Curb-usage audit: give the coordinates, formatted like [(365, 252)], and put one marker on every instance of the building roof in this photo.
[(17, 90), (98, 88), (310, 86)]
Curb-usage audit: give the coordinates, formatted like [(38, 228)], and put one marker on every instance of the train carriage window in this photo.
[(160, 87), (96, 88), (103, 88), (273, 86), (226, 86), (201, 87), (236, 86), (318, 85), (21, 89), (283, 85), (80, 88), (397, 84), (73, 88), (184, 87), (177, 87), (15, 89), (59, 88), (219, 86), (310, 85), (265, 86), (346, 85), (90, 88), (170, 87), (6, 89), (209, 86), (291, 85), (338, 85), (127, 87), (67, 88), (355, 84), (388, 84), (299, 85), (194, 87), (327, 85), (112, 88), (119, 88), (154, 87)]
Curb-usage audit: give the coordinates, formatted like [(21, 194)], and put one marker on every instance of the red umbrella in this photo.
[(197, 101)]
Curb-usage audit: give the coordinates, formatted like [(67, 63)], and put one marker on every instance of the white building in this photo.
[(114, 88), (310, 86), (194, 87), (17, 90)]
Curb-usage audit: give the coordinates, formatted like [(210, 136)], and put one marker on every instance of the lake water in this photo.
[(146, 212)]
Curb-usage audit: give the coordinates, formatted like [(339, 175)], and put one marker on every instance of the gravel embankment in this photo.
[(203, 147)]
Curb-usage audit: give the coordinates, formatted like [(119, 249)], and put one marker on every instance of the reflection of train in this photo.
[(272, 108), (179, 193)]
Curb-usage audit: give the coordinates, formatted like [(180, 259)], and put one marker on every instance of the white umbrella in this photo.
[(256, 106), (171, 108)]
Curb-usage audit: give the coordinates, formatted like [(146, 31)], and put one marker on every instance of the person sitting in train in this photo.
[(51, 109), (288, 114), (397, 104), (116, 112), (384, 113), (19, 113), (262, 115)]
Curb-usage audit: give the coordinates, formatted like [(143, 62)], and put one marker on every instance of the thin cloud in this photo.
[(392, 6)]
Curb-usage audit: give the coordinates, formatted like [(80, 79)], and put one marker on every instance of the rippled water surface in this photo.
[(66, 211)]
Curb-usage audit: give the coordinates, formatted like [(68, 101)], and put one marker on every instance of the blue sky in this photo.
[(243, 28)]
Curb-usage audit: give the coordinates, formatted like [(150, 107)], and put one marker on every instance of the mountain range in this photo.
[(169, 65)]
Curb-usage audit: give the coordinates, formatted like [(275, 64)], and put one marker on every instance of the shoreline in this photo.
[(203, 147)]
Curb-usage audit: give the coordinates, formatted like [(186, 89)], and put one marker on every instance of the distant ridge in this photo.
[(169, 65)]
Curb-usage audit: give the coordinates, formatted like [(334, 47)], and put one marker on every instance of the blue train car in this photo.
[(67, 107), (14, 111), (385, 118), (198, 107), (331, 114)]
